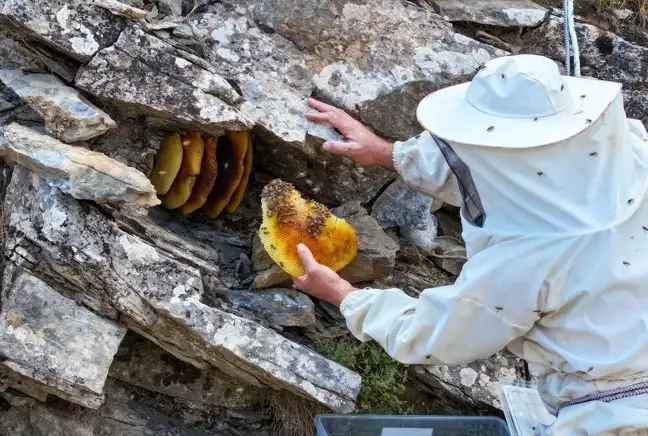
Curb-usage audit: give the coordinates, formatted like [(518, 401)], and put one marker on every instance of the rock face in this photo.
[(77, 171), (68, 116), (115, 74), (402, 206), (215, 333), (110, 269), (40, 340), (141, 363), (77, 27), (506, 13)]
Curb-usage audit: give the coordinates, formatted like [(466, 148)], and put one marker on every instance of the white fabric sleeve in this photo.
[(495, 300), (422, 165)]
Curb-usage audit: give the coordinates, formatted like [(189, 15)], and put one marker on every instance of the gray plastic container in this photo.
[(377, 425)]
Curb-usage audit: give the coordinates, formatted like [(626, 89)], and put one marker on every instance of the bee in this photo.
[(503, 76), (490, 129), (594, 154), (535, 120), (562, 88), (631, 201), (540, 173), (645, 228), (626, 263), (588, 121), (499, 308)]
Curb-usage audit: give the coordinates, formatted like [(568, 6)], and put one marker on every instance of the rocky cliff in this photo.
[(120, 317)]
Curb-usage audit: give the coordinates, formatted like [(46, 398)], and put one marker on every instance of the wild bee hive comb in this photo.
[(180, 191), (289, 220), (206, 179), (167, 163), (231, 167)]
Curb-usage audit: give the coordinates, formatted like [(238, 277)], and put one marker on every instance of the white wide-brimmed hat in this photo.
[(517, 101)]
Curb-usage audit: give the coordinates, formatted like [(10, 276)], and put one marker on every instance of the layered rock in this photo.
[(169, 93), (41, 340), (84, 174), (57, 237), (68, 116), (77, 28)]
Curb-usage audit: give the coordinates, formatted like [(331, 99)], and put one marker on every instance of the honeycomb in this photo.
[(205, 181), (289, 220), (167, 163), (240, 189), (183, 184), (203, 172), (230, 157)]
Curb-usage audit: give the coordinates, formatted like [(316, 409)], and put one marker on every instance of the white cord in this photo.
[(566, 37), (574, 40)]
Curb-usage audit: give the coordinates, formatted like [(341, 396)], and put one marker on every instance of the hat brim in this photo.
[(447, 114)]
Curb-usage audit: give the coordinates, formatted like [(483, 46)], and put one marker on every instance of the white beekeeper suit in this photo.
[(552, 179)]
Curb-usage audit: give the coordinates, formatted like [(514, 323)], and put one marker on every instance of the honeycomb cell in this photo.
[(235, 201), (230, 156), (205, 181), (167, 163), (289, 220), (184, 182)]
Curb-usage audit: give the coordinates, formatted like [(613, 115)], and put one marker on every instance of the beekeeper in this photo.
[(552, 181)]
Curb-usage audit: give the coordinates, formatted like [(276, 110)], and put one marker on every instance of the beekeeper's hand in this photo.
[(320, 281), (361, 145)]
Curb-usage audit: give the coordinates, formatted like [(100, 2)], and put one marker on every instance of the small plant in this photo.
[(383, 378)]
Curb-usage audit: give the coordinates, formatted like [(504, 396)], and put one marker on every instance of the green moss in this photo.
[(383, 378)]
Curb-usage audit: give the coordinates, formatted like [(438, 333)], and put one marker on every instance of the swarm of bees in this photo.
[(289, 220), (194, 171)]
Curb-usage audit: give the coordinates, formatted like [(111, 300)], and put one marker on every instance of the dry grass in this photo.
[(638, 7), (293, 415)]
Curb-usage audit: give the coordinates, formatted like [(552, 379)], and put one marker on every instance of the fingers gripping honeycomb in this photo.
[(289, 220)]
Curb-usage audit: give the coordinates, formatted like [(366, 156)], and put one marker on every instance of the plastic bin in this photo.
[(376, 425)]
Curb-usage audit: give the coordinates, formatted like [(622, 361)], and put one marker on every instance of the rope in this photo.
[(566, 37), (571, 42)]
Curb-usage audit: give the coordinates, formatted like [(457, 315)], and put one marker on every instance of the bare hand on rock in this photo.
[(320, 281), (362, 145)]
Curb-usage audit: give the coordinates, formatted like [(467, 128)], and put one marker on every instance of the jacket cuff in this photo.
[(352, 299), (397, 156)]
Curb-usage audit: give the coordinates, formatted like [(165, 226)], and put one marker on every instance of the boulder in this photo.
[(475, 384), (68, 115), (48, 338), (77, 28), (603, 55), (84, 174), (402, 206), (283, 307), (503, 13), (275, 88), (115, 74), (140, 362), (122, 10), (449, 254), (56, 236)]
